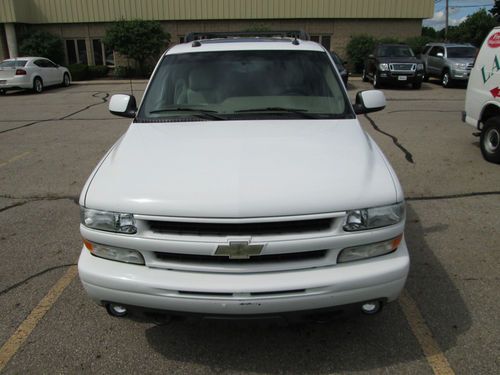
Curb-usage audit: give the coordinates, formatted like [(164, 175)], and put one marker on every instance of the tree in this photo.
[(429, 32), (358, 48), (495, 11), (137, 39), (44, 44), (474, 29)]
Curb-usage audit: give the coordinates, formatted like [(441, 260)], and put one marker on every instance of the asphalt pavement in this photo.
[(446, 321)]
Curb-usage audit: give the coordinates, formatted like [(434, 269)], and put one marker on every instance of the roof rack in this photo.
[(298, 34)]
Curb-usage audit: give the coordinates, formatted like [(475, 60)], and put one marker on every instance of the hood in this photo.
[(236, 169), (461, 60), (412, 60)]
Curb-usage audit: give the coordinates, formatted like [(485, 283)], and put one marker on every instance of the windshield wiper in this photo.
[(302, 112), (204, 113)]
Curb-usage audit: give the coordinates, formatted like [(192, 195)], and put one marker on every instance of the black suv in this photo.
[(393, 63)]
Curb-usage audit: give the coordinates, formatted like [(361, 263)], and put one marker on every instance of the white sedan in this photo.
[(33, 73)]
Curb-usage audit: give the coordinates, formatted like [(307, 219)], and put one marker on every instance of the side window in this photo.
[(39, 63), (425, 50), (49, 64), (435, 50)]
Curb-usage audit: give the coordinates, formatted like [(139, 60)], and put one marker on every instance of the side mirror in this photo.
[(123, 105), (440, 54), (371, 56), (369, 101)]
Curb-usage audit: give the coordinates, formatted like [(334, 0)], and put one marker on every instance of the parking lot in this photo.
[(446, 321)]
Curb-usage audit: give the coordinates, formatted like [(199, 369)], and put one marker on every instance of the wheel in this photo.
[(376, 83), (490, 140), (416, 85), (446, 80), (38, 85), (425, 77), (2, 92), (364, 77), (66, 81)]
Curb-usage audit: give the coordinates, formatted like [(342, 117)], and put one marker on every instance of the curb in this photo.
[(110, 82)]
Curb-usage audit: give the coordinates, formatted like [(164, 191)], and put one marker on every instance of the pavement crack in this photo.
[(24, 200), (453, 196), (22, 282), (97, 94), (408, 155)]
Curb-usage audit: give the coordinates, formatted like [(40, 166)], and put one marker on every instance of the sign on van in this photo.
[(494, 40)]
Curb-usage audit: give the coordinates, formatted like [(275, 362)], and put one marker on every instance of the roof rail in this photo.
[(298, 34)]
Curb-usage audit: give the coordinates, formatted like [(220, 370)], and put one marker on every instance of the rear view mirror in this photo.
[(123, 105), (369, 101)]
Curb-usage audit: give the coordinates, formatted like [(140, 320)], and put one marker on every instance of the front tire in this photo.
[(37, 85), (66, 81), (364, 77), (376, 82), (490, 140), (446, 80)]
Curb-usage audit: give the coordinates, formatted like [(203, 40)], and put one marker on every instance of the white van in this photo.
[(482, 103)]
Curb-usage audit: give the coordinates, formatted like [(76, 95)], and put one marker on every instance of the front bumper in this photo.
[(380, 278), (400, 78), (460, 75)]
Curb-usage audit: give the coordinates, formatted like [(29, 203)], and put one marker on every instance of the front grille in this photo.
[(259, 259), (402, 67), (252, 229)]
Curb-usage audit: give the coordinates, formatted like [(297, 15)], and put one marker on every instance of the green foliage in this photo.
[(495, 11), (43, 44), (388, 40), (417, 43), (358, 48), (79, 72), (124, 72), (138, 39), (474, 29), (97, 71), (429, 32)]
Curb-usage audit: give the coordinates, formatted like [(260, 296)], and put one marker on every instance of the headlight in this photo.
[(420, 66), (460, 66), (108, 221), (383, 67), (376, 217), (114, 253), (351, 254)]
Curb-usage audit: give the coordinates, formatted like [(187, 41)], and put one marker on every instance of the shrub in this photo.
[(137, 39), (358, 48), (79, 72), (98, 71), (43, 44), (124, 72), (417, 43)]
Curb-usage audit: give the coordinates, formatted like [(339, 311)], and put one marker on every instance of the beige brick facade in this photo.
[(340, 30)]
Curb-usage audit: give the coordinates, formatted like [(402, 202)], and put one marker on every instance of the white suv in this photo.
[(245, 185)]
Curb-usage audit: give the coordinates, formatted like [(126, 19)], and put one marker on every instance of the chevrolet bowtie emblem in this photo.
[(239, 250)]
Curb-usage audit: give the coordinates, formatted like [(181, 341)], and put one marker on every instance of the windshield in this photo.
[(395, 51), (461, 52), (238, 84), (13, 63)]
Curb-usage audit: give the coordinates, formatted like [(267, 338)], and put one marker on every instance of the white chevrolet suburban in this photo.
[(482, 101), (245, 186)]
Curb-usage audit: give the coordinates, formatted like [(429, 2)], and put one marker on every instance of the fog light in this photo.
[(116, 310), (371, 308)]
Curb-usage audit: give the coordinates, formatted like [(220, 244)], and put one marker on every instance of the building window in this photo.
[(324, 40), (181, 39), (70, 48), (97, 48), (77, 51)]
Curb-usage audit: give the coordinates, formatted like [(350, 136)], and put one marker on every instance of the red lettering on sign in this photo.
[(494, 40)]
